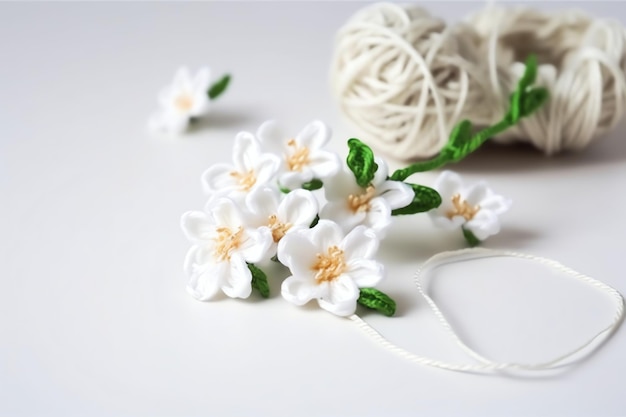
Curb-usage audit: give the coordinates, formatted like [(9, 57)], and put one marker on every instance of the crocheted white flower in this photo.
[(302, 156), (250, 169), (223, 245), (185, 98), (296, 210), (475, 208), (328, 266), (350, 205)]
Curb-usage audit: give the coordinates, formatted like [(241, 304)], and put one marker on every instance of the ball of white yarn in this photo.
[(582, 63), (405, 79)]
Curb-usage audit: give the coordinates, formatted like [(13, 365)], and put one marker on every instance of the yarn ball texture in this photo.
[(404, 78)]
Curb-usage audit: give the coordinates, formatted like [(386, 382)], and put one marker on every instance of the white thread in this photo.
[(486, 364), (405, 79)]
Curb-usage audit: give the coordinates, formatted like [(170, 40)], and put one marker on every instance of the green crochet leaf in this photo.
[(219, 87), (259, 280), (377, 300), (361, 162), (313, 185), (425, 199), (471, 239), (315, 221)]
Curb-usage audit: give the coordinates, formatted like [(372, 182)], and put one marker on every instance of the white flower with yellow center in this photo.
[(475, 208), (223, 246), (185, 98), (329, 266), (302, 156), (296, 210), (250, 169), (351, 205)]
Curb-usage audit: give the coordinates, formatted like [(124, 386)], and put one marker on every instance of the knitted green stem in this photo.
[(523, 102)]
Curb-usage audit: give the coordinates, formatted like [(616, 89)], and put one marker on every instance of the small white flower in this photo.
[(475, 208), (223, 245), (185, 98), (302, 156), (296, 210), (350, 205), (251, 169), (329, 267)]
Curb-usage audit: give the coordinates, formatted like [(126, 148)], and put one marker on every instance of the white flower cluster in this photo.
[(260, 207)]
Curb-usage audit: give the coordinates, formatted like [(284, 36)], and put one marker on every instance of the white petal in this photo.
[(342, 297), (496, 203), (378, 215), (298, 208), (396, 193), (182, 79), (238, 281), (246, 152), (263, 202), (255, 244), (300, 291), (206, 280), (297, 252), (340, 213), (292, 180), (201, 105), (273, 137), (360, 243), (226, 213), (219, 178), (197, 226), (442, 221), (326, 234), (365, 273), (341, 185), (484, 224), (381, 174), (314, 135), (448, 183), (202, 80), (476, 193), (265, 168), (324, 164)]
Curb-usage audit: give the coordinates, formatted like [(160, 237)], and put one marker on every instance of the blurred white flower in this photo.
[(251, 169), (475, 208), (294, 211), (223, 246), (182, 100), (350, 205), (329, 266), (302, 156)]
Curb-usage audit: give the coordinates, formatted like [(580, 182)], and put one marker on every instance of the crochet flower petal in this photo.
[(365, 272), (325, 234), (476, 194), (273, 137), (292, 180), (226, 213), (300, 291), (298, 208), (324, 164), (342, 296), (380, 176), (341, 185), (206, 280), (314, 135), (263, 202), (496, 203), (218, 178), (448, 183), (484, 224), (297, 252), (360, 243), (379, 215), (197, 226), (246, 151), (397, 194), (255, 244), (339, 212), (238, 280)]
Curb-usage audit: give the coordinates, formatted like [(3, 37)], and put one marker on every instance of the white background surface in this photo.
[(94, 317)]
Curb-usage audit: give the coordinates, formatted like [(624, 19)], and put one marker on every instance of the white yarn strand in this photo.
[(485, 364), (405, 79)]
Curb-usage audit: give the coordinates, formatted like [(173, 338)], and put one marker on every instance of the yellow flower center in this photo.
[(225, 242), (361, 202), (245, 179), (184, 102), (329, 265), (278, 229), (298, 158), (462, 208)]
